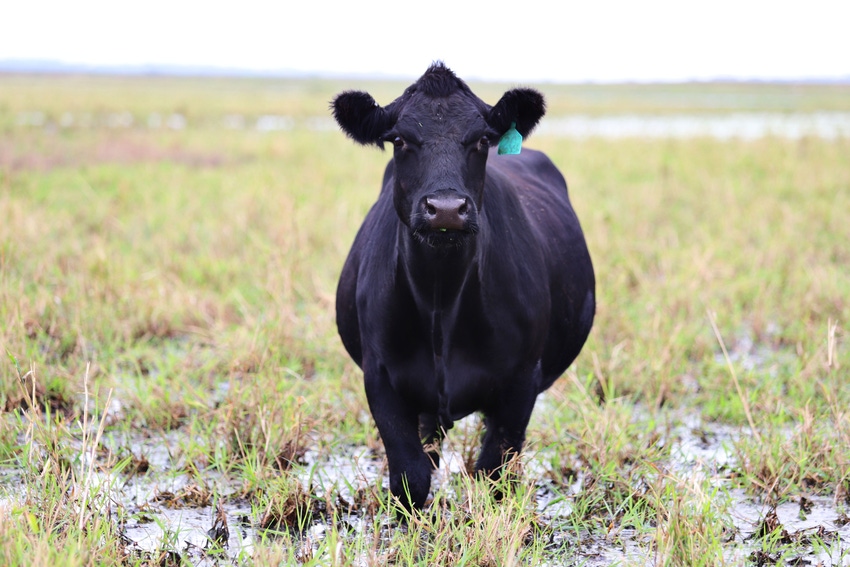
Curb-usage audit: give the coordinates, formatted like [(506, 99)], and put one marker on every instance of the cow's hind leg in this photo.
[(410, 467), (432, 437)]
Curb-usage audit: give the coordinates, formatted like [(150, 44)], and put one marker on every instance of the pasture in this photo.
[(173, 390)]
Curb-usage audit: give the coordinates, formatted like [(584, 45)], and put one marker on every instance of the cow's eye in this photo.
[(398, 142), (484, 142)]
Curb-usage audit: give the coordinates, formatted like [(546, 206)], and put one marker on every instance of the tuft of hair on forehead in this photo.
[(439, 81)]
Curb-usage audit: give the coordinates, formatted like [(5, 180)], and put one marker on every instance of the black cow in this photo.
[(469, 286)]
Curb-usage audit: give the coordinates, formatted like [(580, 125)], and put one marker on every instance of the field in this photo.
[(173, 391)]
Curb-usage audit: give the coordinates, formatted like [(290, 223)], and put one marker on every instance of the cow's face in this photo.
[(440, 149), (441, 134)]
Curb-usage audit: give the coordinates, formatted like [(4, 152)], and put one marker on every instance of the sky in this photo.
[(517, 41)]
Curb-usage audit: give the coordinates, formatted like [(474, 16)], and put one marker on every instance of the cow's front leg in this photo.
[(505, 424), (398, 424)]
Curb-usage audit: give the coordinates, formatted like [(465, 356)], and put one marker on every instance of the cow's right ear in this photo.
[(361, 118)]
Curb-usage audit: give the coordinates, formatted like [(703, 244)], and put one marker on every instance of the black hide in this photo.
[(469, 287)]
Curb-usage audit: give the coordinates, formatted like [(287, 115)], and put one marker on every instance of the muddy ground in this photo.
[(169, 512)]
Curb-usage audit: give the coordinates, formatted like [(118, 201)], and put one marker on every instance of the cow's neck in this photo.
[(437, 277)]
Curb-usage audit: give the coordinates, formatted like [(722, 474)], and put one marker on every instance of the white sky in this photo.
[(520, 40)]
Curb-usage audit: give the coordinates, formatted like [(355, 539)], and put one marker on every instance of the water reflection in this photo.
[(741, 125), (733, 125)]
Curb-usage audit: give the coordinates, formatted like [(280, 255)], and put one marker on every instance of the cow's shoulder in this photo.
[(529, 167)]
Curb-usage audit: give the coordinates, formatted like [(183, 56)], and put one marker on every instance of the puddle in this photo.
[(750, 353), (185, 530), (736, 125), (702, 447), (173, 121), (720, 126), (274, 123), (812, 524), (169, 511)]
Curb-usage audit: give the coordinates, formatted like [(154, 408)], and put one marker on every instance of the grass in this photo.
[(169, 345)]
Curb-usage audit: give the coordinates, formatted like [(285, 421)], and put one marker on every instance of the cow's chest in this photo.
[(476, 359), (469, 380)]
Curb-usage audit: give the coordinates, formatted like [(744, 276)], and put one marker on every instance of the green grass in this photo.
[(166, 299)]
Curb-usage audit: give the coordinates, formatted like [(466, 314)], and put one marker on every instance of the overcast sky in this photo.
[(565, 41)]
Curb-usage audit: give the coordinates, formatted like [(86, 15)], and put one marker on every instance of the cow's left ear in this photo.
[(361, 118), (523, 106)]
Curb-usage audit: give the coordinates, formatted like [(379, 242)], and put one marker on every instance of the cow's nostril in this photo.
[(462, 210), (430, 209)]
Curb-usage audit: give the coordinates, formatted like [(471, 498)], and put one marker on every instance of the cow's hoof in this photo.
[(412, 486)]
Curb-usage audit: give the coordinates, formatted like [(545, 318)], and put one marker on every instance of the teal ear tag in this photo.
[(511, 141)]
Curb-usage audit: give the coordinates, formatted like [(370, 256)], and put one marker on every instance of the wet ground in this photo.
[(208, 519), (174, 512), (747, 125)]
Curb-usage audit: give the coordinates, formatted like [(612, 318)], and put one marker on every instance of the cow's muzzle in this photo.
[(444, 213)]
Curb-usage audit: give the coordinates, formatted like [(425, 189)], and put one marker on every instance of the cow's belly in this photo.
[(473, 379)]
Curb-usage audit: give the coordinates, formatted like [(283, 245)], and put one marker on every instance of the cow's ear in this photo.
[(525, 107), (361, 118)]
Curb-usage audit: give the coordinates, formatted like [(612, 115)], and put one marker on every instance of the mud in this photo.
[(811, 522), (697, 449), (207, 520)]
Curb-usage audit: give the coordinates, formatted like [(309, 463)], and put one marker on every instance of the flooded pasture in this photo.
[(172, 510), (167, 509), (749, 125), (187, 247)]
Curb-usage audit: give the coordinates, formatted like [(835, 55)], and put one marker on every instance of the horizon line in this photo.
[(57, 66)]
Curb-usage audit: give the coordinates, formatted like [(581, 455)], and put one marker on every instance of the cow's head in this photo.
[(441, 135)]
